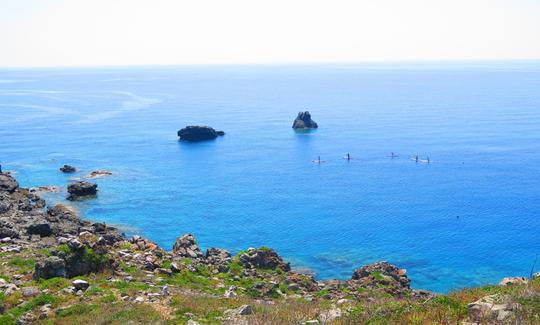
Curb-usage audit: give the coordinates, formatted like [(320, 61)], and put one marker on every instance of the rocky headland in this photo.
[(59, 269)]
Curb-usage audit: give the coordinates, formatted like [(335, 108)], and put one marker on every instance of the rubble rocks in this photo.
[(219, 258), (186, 246), (489, 310)]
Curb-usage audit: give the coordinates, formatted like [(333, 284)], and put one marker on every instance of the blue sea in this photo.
[(468, 218)]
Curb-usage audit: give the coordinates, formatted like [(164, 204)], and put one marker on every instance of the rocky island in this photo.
[(198, 133), (68, 169), (59, 269), (304, 121)]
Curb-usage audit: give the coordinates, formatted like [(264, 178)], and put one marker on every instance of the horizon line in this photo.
[(362, 62)]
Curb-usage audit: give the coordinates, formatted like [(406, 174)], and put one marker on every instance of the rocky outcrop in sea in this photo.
[(199, 133), (81, 189), (68, 169), (304, 121)]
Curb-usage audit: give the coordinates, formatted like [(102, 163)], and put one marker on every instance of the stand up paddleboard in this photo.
[(423, 161)]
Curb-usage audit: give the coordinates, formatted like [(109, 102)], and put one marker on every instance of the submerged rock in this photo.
[(98, 173), (304, 121), (81, 189), (44, 189), (199, 133), (68, 169)]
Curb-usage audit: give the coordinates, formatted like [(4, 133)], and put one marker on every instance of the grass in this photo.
[(101, 314), (23, 264), (53, 283), (14, 313)]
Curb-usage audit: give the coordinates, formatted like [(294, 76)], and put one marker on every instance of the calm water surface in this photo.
[(468, 218)]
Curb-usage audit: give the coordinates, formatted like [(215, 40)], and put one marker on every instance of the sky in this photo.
[(50, 33)]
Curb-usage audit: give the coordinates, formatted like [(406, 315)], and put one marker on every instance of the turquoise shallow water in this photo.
[(479, 123)]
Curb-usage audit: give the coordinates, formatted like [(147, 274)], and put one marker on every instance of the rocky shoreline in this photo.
[(62, 245)]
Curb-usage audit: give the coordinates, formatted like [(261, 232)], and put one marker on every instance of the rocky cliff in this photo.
[(58, 268)]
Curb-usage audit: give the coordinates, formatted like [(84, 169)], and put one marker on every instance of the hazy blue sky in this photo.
[(131, 32)]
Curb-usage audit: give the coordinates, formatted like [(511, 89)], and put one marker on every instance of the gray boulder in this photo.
[(42, 229), (264, 258), (198, 133), (81, 189), (8, 232), (304, 121), (51, 267), (8, 183)]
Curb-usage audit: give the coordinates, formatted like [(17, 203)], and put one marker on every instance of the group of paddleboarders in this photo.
[(392, 155)]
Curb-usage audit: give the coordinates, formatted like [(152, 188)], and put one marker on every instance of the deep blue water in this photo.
[(479, 123)]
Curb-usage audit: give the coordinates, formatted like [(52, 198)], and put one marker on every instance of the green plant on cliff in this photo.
[(88, 255)]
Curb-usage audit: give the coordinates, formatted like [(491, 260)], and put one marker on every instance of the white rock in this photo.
[(244, 310), (513, 281), (486, 309), (45, 311), (240, 311), (330, 315), (80, 284), (231, 292), (10, 289), (30, 291)]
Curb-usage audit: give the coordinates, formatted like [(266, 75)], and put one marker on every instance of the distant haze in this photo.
[(137, 32)]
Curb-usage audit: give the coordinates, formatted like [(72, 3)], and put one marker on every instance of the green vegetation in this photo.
[(22, 264)]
